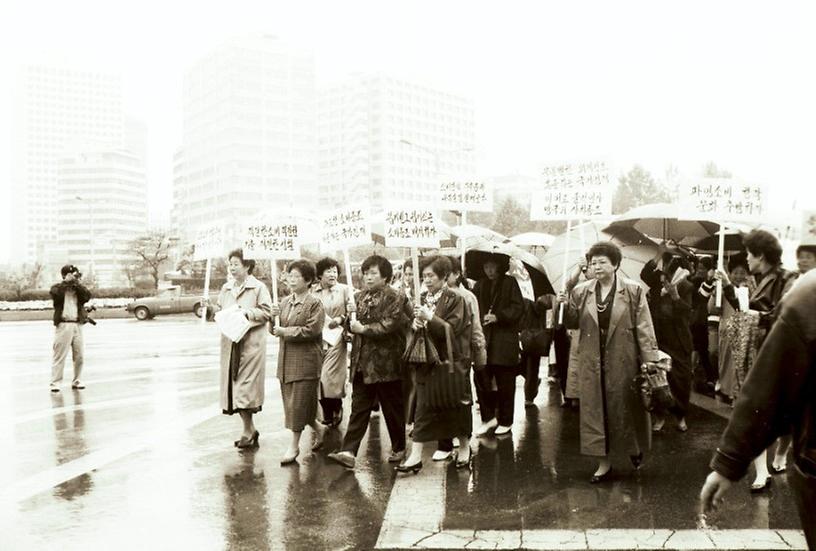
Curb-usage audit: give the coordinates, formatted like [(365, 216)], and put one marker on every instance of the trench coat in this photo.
[(300, 357), (247, 390), (613, 419), (337, 302), (507, 304)]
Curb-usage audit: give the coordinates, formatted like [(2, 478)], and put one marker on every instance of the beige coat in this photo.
[(623, 425), (337, 302), (248, 388)]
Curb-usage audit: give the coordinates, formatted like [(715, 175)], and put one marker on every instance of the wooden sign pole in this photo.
[(349, 279), (205, 309), (274, 272), (564, 272)]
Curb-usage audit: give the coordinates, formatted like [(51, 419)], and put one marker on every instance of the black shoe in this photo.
[(598, 478), (415, 468), (778, 470), (637, 460), (465, 463)]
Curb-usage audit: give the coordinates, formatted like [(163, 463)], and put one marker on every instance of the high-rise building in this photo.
[(249, 136), (101, 209), (56, 108), (382, 139)]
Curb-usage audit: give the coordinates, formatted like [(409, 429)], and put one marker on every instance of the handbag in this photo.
[(651, 383), (446, 386)]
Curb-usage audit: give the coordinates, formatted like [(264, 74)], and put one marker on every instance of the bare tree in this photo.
[(151, 252)]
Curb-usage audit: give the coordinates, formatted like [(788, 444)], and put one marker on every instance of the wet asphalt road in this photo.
[(143, 459)]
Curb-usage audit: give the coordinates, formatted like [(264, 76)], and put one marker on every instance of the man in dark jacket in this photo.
[(501, 306), (69, 298), (779, 396)]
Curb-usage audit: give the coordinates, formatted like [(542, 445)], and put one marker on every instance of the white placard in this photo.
[(573, 191), (411, 226), (721, 199), (272, 240), (808, 236), (344, 228), (209, 242), (465, 195)]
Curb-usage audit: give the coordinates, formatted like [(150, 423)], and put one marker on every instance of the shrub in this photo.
[(43, 294)]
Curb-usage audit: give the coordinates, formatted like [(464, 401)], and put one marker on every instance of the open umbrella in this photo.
[(484, 250), (733, 239), (533, 239), (659, 220), (636, 248)]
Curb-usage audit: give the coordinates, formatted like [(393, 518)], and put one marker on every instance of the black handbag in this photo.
[(650, 383), (446, 386)]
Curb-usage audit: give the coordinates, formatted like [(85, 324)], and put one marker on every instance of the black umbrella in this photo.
[(501, 253)]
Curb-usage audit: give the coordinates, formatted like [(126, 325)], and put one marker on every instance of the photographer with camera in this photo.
[(69, 298)]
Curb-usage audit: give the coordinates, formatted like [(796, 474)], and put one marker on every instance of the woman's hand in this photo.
[(671, 289), (423, 313), (279, 331), (357, 328), (561, 298), (335, 322), (711, 496), (276, 311), (722, 276), (490, 318), (417, 324)]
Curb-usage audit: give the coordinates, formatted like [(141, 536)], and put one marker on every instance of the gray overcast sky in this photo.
[(633, 81)]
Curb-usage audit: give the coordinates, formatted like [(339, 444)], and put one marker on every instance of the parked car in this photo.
[(167, 301)]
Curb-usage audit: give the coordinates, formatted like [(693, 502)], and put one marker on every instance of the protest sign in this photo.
[(465, 195), (573, 191), (209, 242), (272, 240), (411, 226), (808, 236), (344, 228), (719, 199)]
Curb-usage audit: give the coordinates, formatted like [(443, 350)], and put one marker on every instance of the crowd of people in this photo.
[(415, 355)]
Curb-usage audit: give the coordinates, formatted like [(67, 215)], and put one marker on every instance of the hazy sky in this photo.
[(632, 81)]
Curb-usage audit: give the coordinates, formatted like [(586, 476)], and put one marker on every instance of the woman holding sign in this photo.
[(615, 334), (243, 363), (300, 356), (338, 303)]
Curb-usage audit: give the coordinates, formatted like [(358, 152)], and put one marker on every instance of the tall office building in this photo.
[(382, 139), (249, 136), (56, 108), (101, 208)]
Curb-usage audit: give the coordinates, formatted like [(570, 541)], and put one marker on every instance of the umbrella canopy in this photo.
[(483, 250), (636, 248), (378, 230), (472, 232), (533, 239), (659, 220), (733, 239)]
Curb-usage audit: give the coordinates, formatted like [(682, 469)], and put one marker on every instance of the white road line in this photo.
[(148, 374), (44, 413), (711, 405)]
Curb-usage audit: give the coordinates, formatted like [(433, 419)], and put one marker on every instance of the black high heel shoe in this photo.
[(637, 460), (464, 463), (598, 478), (415, 468), (250, 443)]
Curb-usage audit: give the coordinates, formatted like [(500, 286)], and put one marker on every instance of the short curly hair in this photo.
[(324, 264), (381, 263), (248, 263), (441, 265), (765, 244), (607, 249), (305, 268)]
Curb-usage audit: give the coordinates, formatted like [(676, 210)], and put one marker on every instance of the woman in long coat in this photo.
[(338, 304), (615, 331), (300, 356), (443, 314), (243, 364)]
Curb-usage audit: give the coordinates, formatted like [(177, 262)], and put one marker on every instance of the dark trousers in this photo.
[(804, 492), (363, 398), (331, 407), (529, 365), (496, 403), (699, 335), (561, 341)]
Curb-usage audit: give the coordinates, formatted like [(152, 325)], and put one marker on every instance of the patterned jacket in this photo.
[(300, 356), (377, 352)]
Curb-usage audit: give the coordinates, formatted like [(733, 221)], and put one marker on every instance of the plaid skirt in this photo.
[(299, 403)]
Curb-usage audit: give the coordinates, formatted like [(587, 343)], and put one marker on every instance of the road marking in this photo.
[(148, 374), (711, 405), (42, 414)]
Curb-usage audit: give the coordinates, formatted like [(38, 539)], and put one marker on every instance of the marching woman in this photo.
[(243, 364), (615, 332), (338, 304), (443, 316), (300, 356)]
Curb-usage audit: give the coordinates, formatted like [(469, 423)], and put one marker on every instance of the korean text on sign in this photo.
[(721, 199), (271, 241), (411, 227), (573, 191), (345, 228), (465, 195), (209, 243)]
